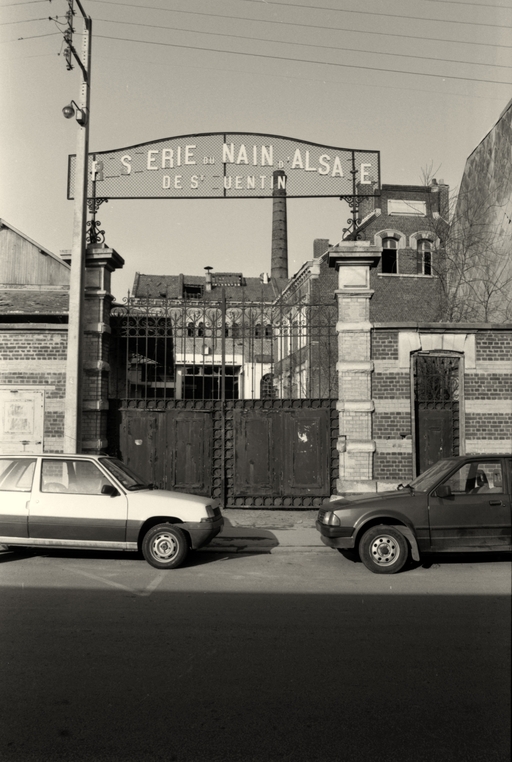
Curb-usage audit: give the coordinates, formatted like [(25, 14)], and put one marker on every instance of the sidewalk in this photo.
[(267, 531)]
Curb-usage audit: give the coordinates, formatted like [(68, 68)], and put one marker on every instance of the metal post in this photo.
[(73, 403)]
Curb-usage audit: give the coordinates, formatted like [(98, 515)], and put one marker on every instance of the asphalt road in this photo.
[(294, 656)]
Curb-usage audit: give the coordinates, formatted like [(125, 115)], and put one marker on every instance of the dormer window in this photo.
[(192, 292), (424, 257), (389, 255)]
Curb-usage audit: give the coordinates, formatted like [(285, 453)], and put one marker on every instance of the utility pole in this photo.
[(74, 366)]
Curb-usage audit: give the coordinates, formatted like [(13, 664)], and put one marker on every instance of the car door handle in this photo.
[(495, 502)]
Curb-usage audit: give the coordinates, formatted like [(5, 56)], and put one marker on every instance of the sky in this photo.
[(421, 81)]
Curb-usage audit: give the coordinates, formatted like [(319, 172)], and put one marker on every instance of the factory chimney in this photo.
[(279, 264)]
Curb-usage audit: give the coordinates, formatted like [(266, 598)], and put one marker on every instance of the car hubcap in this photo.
[(164, 547), (385, 550)]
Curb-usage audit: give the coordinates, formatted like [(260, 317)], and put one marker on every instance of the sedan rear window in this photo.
[(16, 474)]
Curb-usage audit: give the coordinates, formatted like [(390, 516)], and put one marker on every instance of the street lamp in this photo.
[(72, 109)]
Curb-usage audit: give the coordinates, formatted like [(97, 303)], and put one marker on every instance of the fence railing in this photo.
[(164, 349)]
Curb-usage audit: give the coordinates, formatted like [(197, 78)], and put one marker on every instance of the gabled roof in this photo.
[(47, 252), (237, 287)]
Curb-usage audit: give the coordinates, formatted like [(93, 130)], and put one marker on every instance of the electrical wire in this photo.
[(307, 26), (303, 44), (25, 21), (304, 60), (375, 13)]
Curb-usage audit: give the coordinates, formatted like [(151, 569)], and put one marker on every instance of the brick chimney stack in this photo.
[(279, 265)]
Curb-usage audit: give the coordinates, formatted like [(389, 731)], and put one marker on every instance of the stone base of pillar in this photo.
[(346, 486)]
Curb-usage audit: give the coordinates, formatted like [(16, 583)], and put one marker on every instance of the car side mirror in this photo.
[(109, 489), (444, 490)]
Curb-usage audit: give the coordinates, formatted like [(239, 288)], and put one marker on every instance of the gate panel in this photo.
[(139, 440), (305, 452), (436, 403), (188, 451), (254, 457)]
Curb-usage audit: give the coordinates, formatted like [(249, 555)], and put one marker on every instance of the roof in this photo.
[(47, 252), (33, 301), (237, 287)]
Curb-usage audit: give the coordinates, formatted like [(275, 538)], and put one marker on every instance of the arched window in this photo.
[(389, 255), (267, 388), (424, 257), (191, 329)]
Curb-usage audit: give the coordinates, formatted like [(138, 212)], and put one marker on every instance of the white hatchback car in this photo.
[(96, 502)]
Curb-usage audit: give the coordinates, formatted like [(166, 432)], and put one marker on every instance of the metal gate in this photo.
[(237, 401), (437, 407)]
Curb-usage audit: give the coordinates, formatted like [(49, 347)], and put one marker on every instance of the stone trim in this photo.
[(97, 328), (392, 405), (491, 446), (95, 405), (27, 387), (94, 444), (353, 327), (410, 342), (97, 365), (488, 406), (355, 406), (33, 366), (500, 367), (355, 367), (394, 445), (360, 445)]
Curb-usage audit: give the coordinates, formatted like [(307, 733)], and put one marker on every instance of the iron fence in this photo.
[(198, 349)]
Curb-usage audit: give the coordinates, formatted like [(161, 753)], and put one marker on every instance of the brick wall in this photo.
[(486, 400), (36, 357)]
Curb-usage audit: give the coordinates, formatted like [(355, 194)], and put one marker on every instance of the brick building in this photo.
[(34, 296), (354, 335)]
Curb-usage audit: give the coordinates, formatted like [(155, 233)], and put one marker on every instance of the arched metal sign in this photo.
[(229, 165)]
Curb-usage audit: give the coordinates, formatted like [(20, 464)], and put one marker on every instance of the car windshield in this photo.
[(128, 478), (429, 478)]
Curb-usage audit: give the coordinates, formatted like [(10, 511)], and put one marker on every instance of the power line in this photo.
[(462, 2), (26, 2), (34, 36), (306, 26), (303, 44), (24, 21), (304, 60), (374, 13)]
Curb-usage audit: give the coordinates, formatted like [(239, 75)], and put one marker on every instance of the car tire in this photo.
[(165, 546), (383, 549)]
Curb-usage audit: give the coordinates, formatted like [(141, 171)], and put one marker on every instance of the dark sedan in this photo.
[(461, 503)]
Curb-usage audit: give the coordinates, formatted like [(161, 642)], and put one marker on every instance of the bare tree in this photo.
[(473, 254)]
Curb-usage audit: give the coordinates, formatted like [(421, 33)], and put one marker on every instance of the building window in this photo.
[(267, 388), (389, 255), (424, 257), (192, 292)]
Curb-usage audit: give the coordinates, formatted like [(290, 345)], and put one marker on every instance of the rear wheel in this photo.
[(165, 546), (383, 549)]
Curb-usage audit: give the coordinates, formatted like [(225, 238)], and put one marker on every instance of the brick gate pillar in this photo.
[(100, 263), (353, 260)]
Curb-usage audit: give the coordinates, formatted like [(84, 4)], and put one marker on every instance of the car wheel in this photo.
[(383, 550), (165, 546)]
